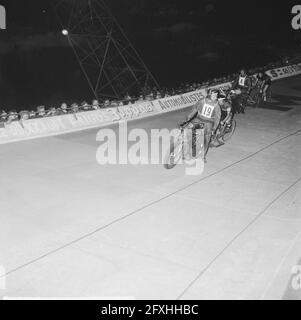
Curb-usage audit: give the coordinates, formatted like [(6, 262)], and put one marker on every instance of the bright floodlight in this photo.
[(65, 32)]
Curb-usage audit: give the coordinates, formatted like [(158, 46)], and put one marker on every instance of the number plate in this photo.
[(207, 111), (241, 81)]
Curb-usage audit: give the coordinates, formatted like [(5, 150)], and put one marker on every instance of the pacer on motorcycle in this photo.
[(244, 83), (207, 112)]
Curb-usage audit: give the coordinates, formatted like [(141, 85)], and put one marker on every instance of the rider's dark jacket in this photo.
[(243, 82), (264, 80)]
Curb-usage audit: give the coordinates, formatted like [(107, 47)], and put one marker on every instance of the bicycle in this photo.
[(241, 100), (268, 96), (179, 145), (226, 130), (224, 133), (253, 98)]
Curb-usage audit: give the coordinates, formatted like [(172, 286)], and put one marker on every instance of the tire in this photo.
[(251, 101), (175, 148), (228, 134)]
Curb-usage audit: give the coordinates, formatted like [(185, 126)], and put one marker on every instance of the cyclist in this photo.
[(263, 82), (244, 83), (206, 111), (227, 115), (226, 108)]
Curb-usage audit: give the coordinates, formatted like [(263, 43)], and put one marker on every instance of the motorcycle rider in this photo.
[(263, 82), (226, 108), (207, 112), (244, 83)]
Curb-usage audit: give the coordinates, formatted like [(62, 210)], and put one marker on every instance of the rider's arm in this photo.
[(249, 81), (256, 82), (235, 83), (261, 84), (194, 110), (228, 114), (267, 79), (191, 115)]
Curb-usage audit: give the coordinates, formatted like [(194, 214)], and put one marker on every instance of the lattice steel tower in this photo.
[(109, 61)]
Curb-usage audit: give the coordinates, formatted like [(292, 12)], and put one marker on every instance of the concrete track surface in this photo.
[(70, 227)]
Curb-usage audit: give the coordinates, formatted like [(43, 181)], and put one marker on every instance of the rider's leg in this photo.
[(193, 153), (235, 104), (240, 103), (264, 92), (207, 137), (224, 115), (244, 99)]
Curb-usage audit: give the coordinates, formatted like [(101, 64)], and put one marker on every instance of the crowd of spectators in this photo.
[(146, 94)]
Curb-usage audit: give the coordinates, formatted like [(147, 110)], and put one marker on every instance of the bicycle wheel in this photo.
[(206, 147), (174, 154), (251, 99), (229, 131)]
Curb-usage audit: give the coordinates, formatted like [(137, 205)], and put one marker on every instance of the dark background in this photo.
[(180, 41)]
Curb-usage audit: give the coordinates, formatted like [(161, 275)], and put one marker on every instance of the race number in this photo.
[(207, 111), (241, 81)]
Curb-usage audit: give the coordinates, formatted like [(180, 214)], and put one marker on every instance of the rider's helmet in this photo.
[(221, 97), (64, 107), (208, 92), (213, 91), (243, 72)]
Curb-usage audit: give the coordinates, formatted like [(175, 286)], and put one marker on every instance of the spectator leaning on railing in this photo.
[(3, 116)]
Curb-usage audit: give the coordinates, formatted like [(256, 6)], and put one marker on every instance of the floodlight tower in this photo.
[(109, 61)]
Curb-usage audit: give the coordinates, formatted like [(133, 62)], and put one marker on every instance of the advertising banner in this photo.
[(47, 126)]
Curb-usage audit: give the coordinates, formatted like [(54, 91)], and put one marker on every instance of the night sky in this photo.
[(180, 41)]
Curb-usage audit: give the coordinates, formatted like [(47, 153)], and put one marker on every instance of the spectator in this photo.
[(85, 106), (106, 103), (114, 103), (13, 116), (3, 116), (74, 107), (32, 114), (24, 115), (95, 104), (63, 109), (127, 98), (41, 112), (149, 97), (51, 112)]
